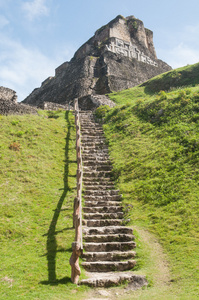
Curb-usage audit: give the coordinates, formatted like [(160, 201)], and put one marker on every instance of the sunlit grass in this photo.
[(158, 172), (37, 189)]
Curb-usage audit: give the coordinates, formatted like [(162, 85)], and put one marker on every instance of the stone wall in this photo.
[(150, 45), (46, 80), (61, 68), (120, 73), (11, 108), (120, 30), (76, 81), (8, 94), (124, 48), (55, 106), (102, 34), (91, 102)]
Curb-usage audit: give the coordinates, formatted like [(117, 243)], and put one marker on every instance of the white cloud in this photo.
[(183, 47), (179, 56), (23, 69), (35, 9)]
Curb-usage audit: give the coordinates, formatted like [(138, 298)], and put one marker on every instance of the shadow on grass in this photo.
[(64, 280), (51, 244)]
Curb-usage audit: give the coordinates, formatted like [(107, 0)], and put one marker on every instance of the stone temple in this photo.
[(120, 55)]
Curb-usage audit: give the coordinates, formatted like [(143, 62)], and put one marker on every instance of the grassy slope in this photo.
[(158, 170), (158, 174), (37, 188)]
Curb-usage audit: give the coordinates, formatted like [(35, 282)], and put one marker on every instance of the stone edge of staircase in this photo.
[(109, 279)]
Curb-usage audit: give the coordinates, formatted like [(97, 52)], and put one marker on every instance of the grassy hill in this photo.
[(153, 135), (153, 139), (37, 189)]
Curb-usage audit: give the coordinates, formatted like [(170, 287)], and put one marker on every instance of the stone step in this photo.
[(108, 230), (102, 223), (89, 187), (91, 131), (101, 180), (102, 216), (96, 162), (97, 168), (101, 183), (93, 139), (102, 238), (108, 256), (109, 246), (108, 266), (94, 143), (102, 203), (94, 148), (98, 152), (94, 159), (102, 209), (113, 279), (86, 127), (96, 156), (98, 181), (97, 173), (103, 198), (87, 119), (99, 192)]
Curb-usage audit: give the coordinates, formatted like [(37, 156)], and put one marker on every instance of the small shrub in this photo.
[(139, 101), (182, 94), (14, 122), (188, 91), (162, 95), (53, 114), (15, 146), (20, 133), (195, 118)]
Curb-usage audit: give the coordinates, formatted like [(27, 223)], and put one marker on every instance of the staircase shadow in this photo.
[(51, 244)]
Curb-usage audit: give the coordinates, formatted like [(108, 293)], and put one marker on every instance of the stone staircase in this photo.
[(108, 244)]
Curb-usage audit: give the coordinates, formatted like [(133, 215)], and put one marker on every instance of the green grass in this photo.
[(170, 81), (156, 128), (158, 172), (184, 76), (37, 189)]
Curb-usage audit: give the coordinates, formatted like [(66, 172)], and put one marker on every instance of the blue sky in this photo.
[(36, 36)]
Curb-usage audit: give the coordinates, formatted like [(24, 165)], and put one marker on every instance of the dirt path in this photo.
[(157, 272)]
